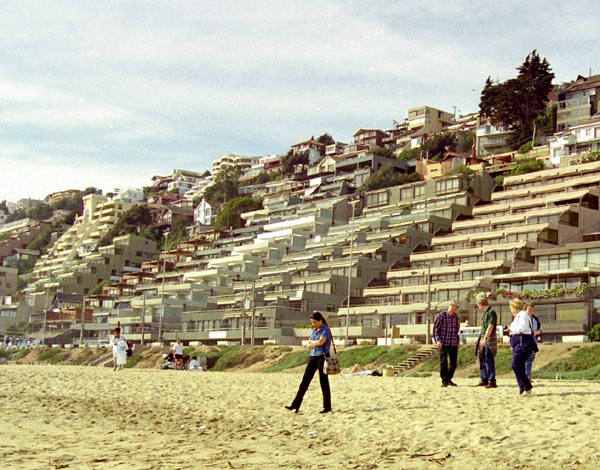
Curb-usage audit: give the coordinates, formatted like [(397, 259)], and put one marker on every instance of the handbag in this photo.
[(332, 364)]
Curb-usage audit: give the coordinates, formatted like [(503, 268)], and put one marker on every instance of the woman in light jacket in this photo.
[(522, 343), (319, 344)]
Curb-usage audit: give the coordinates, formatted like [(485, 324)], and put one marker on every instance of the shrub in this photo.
[(52, 355), (132, 361), (289, 361), (594, 333), (526, 147), (228, 357)]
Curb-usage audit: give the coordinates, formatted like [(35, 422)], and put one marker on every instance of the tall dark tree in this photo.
[(386, 177), (135, 220), (326, 139), (293, 162), (435, 147), (518, 101), (225, 186), (229, 217)]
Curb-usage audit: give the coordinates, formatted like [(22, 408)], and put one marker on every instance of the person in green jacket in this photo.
[(487, 345)]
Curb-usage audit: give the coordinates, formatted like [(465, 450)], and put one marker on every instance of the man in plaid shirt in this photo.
[(445, 334)]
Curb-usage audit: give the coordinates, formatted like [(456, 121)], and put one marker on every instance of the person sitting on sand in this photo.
[(360, 371), (195, 365)]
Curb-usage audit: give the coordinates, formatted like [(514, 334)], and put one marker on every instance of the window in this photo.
[(571, 312), (447, 186), (406, 194), (377, 199), (419, 191)]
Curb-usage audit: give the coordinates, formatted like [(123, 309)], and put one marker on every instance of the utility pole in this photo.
[(428, 311), (353, 204), (82, 320), (162, 301), (45, 315), (143, 315), (245, 309), (252, 331)]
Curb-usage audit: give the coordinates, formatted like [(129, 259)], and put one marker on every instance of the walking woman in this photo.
[(522, 343), (319, 344)]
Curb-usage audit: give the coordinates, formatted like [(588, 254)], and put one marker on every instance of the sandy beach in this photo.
[(72, 417)]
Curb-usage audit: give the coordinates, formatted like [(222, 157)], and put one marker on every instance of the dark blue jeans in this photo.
[(315, 363), (529, 364), (520, 352), (487, 364), (448, 357)]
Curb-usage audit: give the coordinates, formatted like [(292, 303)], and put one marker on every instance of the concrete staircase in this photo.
[(419, 357), (103, 360)]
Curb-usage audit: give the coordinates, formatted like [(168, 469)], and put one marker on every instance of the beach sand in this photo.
[(74, 417)]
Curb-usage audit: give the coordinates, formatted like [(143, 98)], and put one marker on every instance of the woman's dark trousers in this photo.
[(315, 363)]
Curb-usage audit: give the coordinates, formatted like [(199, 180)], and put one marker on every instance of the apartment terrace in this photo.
[(240, 325)]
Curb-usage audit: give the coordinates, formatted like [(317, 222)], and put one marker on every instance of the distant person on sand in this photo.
[(195, 365), (119, 349), (487, 345), (522, 343), (536, 327), (360, 371), (178, 354), (445, 333), (319, 343)]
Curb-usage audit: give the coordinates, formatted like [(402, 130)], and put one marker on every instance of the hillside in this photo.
[(562, 359)]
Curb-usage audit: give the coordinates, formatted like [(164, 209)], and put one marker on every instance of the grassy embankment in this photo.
[(577, 362)]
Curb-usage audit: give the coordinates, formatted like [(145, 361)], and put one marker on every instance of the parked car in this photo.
[(103, 343)]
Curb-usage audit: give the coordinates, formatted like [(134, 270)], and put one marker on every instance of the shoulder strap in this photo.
[(332, 341)]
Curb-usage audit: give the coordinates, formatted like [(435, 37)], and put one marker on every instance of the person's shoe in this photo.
[(325, 410), (291, 407), (482, 384), (444, 384), (491, 385), (452, 384)]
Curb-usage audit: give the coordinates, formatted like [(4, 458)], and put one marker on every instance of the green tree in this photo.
[(294, 162), (409, 154), (230, 212), (387, 177), (40, 212), (42, 240), (527, 165), (435, 147), (326, 139), (178, 232), (594, 333), (469, 141), (518, 101), (225, 186), (17, 215), (462, 170), (135, 220), (386, 152)]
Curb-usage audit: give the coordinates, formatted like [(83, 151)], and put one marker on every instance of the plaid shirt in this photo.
[(446, 328)]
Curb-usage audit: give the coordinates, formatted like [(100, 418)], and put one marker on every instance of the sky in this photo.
[(110, 93)]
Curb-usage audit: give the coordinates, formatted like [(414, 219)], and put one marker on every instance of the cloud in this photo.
[(43, 174), (167, 85)]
